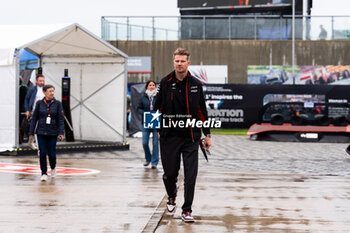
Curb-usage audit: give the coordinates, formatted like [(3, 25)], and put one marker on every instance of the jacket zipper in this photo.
[(161, 107), (188, 109)]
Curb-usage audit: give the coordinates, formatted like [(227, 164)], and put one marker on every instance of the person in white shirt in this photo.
[(34, 95)]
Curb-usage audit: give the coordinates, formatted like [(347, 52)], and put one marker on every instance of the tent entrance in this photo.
[(95, 87)]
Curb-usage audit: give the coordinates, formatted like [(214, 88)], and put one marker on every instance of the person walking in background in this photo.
[(24, 126), (34, 94), (180, 99), (323, 33), (146, 104), (48, 116)]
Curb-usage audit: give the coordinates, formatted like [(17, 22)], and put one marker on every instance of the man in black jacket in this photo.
[(181, 101)]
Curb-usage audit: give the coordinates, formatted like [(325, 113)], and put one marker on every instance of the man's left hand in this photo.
[(207, 142)]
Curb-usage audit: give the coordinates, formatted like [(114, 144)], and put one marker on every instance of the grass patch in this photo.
[(229, 131)]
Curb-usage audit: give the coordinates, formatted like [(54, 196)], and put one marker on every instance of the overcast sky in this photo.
[(88, 12)]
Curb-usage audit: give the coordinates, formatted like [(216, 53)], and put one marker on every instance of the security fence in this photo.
[(253, 27)]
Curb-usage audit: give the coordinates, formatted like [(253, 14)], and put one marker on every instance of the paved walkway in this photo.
[(247, 186)]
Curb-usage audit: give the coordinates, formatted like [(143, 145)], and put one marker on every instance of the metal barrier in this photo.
[(251, 27)]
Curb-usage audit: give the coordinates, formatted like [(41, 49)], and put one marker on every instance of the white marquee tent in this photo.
[(98, 80)]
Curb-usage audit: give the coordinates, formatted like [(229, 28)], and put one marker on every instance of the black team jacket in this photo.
[(194, 103)]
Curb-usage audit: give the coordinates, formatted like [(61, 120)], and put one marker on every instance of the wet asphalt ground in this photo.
[(247, 186)]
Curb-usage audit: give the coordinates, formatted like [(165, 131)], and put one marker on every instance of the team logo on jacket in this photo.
[(151, 120)]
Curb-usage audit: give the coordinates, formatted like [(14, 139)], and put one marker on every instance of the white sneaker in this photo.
[(186, 216), (44, 177), (53, 172), (171, 205)]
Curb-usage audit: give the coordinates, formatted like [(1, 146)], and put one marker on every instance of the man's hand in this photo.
[(31, 137), (27, 114), (207, 142)]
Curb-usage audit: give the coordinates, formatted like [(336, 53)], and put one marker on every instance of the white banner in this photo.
[(209, 74)]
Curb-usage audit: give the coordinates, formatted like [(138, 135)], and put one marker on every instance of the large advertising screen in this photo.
[(240, 106), (334, 75)]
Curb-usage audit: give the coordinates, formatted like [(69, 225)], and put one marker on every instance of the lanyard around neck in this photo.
[(48, 105), (151, 104)]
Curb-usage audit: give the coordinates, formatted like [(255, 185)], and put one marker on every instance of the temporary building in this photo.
[(98, 82)]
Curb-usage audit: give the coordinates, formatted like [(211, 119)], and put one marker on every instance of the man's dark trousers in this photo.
[(171, 148)]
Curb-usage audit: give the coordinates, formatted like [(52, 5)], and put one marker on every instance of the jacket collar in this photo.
[(53, 100), (171, 76)]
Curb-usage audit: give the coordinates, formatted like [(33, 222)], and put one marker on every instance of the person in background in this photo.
[(128, 111), (146, 104), (23, 130), (34, 94), (48, 116), (323, 33)]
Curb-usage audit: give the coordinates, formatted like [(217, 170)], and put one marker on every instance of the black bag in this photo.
[(25, 124)]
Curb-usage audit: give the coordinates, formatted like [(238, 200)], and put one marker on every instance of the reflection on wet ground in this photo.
[(120, 198), (255, 202), (246, 187)]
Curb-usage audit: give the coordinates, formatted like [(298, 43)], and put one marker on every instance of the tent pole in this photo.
[(17, 112), (125, 99), (40, 61)]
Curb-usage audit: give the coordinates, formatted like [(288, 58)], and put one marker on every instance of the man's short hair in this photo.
[(39, 76), (182, 52), (48, 86)]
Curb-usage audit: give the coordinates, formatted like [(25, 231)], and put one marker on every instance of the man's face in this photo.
[(40, 82), (181, 63)]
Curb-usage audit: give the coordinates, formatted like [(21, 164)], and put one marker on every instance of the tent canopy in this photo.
[(72, 39), (55, 39), (96, 68)]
